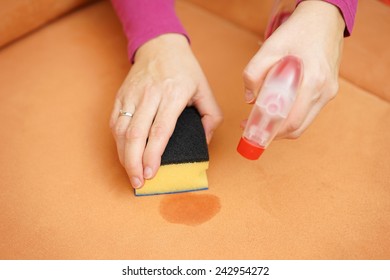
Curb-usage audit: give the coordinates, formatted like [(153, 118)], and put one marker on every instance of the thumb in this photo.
[(255, 73)]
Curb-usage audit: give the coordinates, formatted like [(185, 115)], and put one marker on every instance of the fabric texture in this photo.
[(21, 17), (188, 141), (143, 20), (65, 195)]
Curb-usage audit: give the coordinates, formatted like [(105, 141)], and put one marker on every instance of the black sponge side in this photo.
[(188, 141)]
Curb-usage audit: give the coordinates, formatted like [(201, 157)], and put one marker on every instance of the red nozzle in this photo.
[(249, 150)]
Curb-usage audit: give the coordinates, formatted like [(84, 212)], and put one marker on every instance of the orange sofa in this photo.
[(64, 194)]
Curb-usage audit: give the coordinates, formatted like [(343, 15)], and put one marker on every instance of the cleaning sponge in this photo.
[(184, 161)]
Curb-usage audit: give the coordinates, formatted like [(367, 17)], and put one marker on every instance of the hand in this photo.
[(314, 32), (164, 79)]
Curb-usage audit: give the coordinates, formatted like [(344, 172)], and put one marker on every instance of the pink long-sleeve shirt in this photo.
[(143, 20)]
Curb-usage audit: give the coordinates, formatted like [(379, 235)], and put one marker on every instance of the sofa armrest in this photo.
[(21, 17)]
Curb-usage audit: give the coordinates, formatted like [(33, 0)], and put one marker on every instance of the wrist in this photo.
[(163, 44), (325, 13)]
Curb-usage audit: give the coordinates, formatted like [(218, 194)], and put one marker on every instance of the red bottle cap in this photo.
[(249, 150)]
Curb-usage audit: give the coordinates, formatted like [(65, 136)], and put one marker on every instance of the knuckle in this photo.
[(248, 76), (120, 92), (219, 119), (150, 92), (124, 91), (174, 94), (333, 89), (158, 131), (119, 131), (111, 123), (153, 93), (318, 81), (316, 96), (152, 157), (316, 85), (131, 166), (293, 125), (133, 133), (295, 134)]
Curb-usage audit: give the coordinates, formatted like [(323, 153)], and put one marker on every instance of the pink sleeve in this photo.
[(348, 10), (143, 20)]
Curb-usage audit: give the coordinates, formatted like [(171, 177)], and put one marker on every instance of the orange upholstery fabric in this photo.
[(22, 16), (64, 194), (366, 59), (249, 14)]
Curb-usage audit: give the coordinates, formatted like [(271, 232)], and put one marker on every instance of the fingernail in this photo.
[(148, 172), (135, 182), (249, 96)]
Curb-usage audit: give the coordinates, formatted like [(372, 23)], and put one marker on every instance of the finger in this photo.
[(115, 113), (209, 111), (309, 95), (119, 131), (160, 132), (120, 126), (314, 111), (321, 98), (255, 73), (137, 134)]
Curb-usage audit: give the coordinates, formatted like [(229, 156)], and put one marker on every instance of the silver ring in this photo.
[(124, 113)]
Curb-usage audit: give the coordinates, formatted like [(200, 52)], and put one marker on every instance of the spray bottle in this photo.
[(272, 106)]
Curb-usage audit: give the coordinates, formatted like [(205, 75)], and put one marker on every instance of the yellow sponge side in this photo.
[(174, 178)]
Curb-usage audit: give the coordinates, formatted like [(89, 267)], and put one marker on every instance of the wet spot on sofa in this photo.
[(189, 208)]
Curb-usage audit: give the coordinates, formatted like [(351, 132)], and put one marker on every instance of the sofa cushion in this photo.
[(366, 57), (65, 195), (20, 17), (249, 14)]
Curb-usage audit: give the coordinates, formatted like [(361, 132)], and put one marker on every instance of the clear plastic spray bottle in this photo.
[(272, 106)]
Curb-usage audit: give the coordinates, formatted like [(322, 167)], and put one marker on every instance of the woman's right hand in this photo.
[(314, 33), (165, 78)]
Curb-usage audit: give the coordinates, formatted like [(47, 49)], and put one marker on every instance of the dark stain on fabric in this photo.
[(189, 208)]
